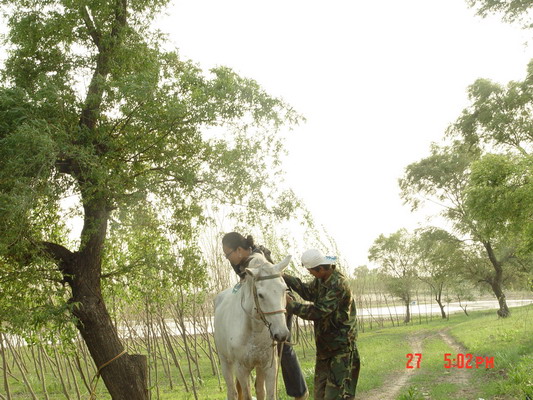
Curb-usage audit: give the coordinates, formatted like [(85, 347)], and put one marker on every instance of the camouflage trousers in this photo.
[(336, 377)]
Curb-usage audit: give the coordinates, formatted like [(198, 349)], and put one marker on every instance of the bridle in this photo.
[(262, 314)]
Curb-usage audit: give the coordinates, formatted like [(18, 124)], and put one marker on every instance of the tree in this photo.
[(360, 281), (511, 10), (439, 258), (500, 190), (93, 108), (498, 116), (500, 194), (444, 177), (462, 291), (397, 259)]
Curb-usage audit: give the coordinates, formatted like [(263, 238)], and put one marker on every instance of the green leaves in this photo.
[(397, 260), (443, 176), (395, 254), (27, 157), (499, 116), (511, 10), (95, 110), (500, 194)]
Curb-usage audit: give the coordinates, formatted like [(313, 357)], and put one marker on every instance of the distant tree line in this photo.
[(482, 177)]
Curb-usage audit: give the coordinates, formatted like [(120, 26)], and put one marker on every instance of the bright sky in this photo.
[(378, 81)]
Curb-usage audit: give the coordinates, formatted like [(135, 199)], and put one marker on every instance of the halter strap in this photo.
[(262, 278), (256, 299), (274, 312)]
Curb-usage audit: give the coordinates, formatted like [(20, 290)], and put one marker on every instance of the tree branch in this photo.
[(63, 257), (492, 257), (58, 252), (121, 7), (95, 34), (90, 112)]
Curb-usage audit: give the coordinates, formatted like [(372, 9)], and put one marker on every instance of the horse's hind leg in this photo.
[(227, 372)]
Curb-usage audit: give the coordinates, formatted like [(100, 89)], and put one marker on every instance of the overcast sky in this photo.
[(378, 81)]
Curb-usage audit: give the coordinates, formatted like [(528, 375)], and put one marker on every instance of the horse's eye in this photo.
[(260, 296)]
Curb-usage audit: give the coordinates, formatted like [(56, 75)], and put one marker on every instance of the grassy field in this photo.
[(384, 372)]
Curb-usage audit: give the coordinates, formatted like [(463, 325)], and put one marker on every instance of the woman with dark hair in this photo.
[(238, 250)]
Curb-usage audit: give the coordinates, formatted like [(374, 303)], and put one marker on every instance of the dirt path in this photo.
[(459, 376), (396, 382)]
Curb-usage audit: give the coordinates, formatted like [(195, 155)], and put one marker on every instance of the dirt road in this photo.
[(401, 380)]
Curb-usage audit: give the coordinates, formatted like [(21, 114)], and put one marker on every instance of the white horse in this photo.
[(248, 322)]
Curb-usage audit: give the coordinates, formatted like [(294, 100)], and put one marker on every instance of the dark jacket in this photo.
[(333, 312)]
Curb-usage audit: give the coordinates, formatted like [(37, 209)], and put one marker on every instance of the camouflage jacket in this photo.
[(333, 312)]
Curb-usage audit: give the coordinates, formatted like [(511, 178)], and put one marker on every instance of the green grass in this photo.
[(412, 393), (510, 342), (382, 353), (383, 356), (427, 378)]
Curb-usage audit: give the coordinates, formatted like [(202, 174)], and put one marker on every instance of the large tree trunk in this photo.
[(497, 282), (124, 375)]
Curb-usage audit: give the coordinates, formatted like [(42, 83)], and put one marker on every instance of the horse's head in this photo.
[(269, 291)]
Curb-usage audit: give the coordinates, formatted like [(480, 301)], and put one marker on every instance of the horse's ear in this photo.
[(282, 265), (250, 272)]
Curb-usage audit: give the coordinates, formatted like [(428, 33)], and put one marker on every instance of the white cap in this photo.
[(313, 258)]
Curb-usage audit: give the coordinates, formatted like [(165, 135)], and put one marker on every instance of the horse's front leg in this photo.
[(243, 376), (260, 383), (270, 376), (227, 372)]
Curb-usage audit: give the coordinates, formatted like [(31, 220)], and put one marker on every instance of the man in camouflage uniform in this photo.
[(334, 315)]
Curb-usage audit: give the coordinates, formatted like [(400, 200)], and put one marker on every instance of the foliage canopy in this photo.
[(98, 121)]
